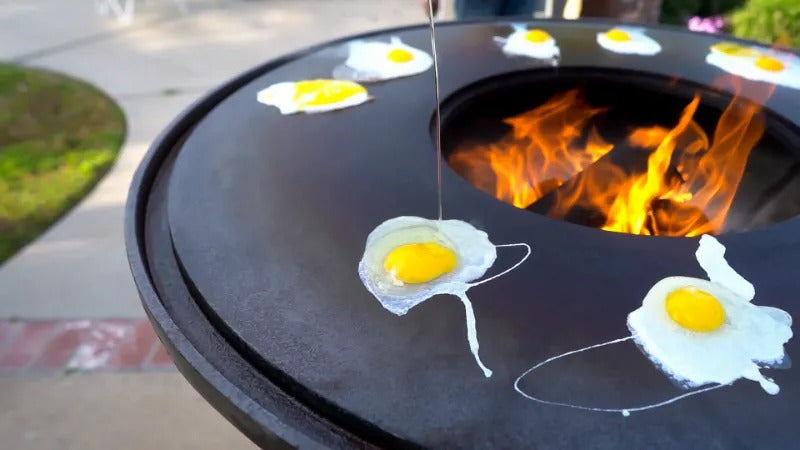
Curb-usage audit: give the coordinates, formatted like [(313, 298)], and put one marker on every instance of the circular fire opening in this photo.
[(625, 152)]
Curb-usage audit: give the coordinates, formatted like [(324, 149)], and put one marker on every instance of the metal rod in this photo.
[(438, 119)]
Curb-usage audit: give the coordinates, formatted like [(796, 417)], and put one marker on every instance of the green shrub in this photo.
[(58, 136), (769, 21)]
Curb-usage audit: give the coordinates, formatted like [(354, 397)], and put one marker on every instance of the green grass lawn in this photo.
[(58, 136)]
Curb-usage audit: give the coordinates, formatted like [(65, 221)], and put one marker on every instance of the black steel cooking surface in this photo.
[(245, 228)]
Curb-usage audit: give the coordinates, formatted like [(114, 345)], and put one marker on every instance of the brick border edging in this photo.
[(48, 346)]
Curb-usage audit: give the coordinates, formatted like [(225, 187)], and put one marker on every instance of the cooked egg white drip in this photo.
[(624, 411), (368, 61), (745, 67), (751, 337), (475, 255), (516, 45), (282, 96), (640, 43), (710, 255)]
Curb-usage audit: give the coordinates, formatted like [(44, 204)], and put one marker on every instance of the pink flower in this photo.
[(695, 23), (712, 24)]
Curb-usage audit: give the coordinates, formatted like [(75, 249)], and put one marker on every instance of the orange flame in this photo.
[(541, 153), (686, 190)]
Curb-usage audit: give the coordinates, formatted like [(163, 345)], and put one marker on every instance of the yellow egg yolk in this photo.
[(399, 55), (770, 64), (419, 263), (618, 35), (326, 92), (732, 49), (694, 309), (537, 36)]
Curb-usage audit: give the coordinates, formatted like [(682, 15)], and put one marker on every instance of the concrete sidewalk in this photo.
[(153, 68), (112, 411)]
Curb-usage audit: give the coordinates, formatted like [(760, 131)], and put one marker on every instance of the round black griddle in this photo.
[(245, 228)]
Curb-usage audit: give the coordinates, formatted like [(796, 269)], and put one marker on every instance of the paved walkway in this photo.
[(67, 301), (147, 411), (78, 268), (46, 347)]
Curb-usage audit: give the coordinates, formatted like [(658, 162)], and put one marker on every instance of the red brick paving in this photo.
[(60, 349), (84, 345), (161, 358), (134, 350), (7, 331), (26, 346)]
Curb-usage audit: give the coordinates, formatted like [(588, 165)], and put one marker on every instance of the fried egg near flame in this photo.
[(533, 43), (757, 64), (313, 96), (703, 334), (707, 331), (379, 61), (628, 40), (408, 260)]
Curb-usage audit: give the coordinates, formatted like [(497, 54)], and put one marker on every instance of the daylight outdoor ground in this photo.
[(73, 282)]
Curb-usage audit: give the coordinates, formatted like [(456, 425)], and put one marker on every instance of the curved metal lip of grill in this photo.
[(244, 229)]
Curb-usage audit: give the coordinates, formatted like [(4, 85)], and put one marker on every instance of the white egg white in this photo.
[(640, 43), (710, 256), (282, 96), (474, 252), (475, 255), (368, 61), (751, 336), (745, 67), (517, 45)]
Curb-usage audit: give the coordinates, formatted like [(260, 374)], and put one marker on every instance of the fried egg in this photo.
[(628, 40), (408, 260), (313, 96), (700, 332), (757, 64), (534, 43), (378, 61)]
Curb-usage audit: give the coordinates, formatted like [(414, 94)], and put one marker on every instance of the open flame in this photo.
[(533, 160), (555, 151)]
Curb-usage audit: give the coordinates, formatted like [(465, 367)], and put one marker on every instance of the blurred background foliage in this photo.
[(768, 21)]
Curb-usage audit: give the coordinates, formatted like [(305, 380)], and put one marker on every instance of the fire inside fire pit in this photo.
[(627, 153)]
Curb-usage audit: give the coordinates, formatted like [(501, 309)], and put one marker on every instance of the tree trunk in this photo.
[(640, 11)]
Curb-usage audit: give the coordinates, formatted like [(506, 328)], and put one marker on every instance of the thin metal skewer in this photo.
[(438, 119)]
